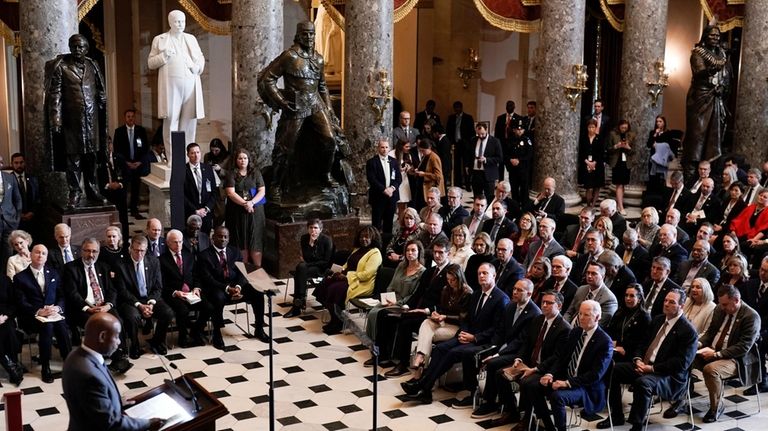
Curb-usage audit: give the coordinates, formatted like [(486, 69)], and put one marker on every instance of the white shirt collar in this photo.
[(96, 355)]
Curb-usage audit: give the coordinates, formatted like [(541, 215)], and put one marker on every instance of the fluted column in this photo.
[(368, 49), (752, 101), (45, 30), (257, 38), (645, 33), (561, 45)]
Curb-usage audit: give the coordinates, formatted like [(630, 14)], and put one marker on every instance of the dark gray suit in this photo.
[(92, 397)]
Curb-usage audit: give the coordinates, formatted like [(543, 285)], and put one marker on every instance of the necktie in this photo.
[(673, 199), (480, 303), (655, 344), (473, 225), (539, 341), (198, 180), (761, 292), (130, 141), (577, 241), (41, 281), (721, 339), (539, 252), (22, 187), (591, 295), (67, 255), (651, 296), (98, 297), (141, 281), (506, 128), (748, 196), (627, 256), (223, 263), (153, 248), (700, 203), (518, 312), (574, 362), (501, 270), (495, 230)]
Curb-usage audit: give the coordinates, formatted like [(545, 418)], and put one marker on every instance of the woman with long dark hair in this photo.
[(245, 207), (621, 148)]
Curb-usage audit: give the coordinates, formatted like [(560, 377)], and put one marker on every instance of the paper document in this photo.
[(336, 268), (190, 297), (370, 302), (160, 406), (259, 279), (50, 319), (388, 298)]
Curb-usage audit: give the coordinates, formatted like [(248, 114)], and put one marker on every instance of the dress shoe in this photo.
[(217, 341), (410, 387), (752, 390), (135, 351), (484, 411), (522, 425), (606, 423), (295, 312), (423, 396), (120, 366), (332, 328), (672, 411), (465, 403), (15, 372), (261, 335), (636, 427), (712, 415), (506, 418), (47, 375), (400, 370), (158, 348)]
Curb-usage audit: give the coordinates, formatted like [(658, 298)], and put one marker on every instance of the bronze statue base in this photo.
[(311, 202)]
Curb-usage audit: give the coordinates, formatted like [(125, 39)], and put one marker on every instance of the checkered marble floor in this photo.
[(320, 383)]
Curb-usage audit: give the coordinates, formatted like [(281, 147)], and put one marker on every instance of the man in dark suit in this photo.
[(141, 297), (669, 247), (222, 282), (430, 235), (705, 171), (454, 213), (428, 114), (634, 255), (676, 196), (659, 365), (518, 153), (93, 399), (728, 348), (177, 267), (384, 178), (576, 378), (91, 289), (508, 270), (484, 156), (596, 290), (460, 129), (10, 212), (502, 193), (559, 281), (503, 129), (575, 234), (442, 145), (545, 245), (499, 226), (486, 308), (40, 294), (30, 194), (702, 206), (132, 144), (617, 275), (658, 285), (62, 252), (113, 185), (698, 266), (194, 240), (509, 338), (404, 131), (200, 191), (474, 221), (608, 209), (755, 294), (154, 233), (593, 248), (544, 336), (603, 120), (547, 203)]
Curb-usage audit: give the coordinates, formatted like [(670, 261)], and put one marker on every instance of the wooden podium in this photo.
[(205, 419)]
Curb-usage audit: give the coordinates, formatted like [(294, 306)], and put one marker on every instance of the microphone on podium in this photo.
[(186, 383), (173, 385)]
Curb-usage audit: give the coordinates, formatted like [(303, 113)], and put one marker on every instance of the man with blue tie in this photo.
[(384, 178), (141, 297), (62, 252), (41, 297), (155, 241)]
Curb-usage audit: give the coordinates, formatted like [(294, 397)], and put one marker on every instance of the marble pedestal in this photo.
[(159, 182), (282, 248)]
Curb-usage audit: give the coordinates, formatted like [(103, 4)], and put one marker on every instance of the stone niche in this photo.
[(85, 222), (282, 249)]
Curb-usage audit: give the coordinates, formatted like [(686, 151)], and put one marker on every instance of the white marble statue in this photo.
[(180, 61)]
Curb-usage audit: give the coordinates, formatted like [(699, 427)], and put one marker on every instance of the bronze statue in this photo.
[(76, 109), (705, 103), (305, 104)]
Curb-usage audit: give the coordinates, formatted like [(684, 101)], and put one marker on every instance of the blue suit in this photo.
[(92, 397), (587, 387)]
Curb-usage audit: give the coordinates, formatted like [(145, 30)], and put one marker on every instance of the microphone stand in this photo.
[(269, 293), (367, 342)]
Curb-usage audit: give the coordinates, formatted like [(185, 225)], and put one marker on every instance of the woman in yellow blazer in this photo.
[(347, 284)]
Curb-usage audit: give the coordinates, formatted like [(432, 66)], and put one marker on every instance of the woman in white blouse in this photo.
[(19, 241), (700, 305), (461, 246)]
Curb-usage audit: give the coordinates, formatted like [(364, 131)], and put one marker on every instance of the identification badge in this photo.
[(208, 186), (392, 175), (138, 142)]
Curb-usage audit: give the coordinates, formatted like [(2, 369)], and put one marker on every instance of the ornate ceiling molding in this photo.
[(610, 10), (508, 23)]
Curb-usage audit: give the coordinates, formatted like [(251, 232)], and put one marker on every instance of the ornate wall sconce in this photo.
[(470, 70), (659, 83), (573, 91), (379, 94)]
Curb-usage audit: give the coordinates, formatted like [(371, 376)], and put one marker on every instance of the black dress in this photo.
[(595, 150), (246, 230)]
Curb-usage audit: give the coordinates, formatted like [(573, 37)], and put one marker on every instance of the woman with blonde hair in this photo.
[(19, 240), (700, 305), (605, 226), (461, 246), (648, 227)]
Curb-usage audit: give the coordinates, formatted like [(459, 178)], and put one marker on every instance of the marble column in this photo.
[(752, 100), (561, 45), (645, 32), (45, 30), (368, 49), (257, 38)]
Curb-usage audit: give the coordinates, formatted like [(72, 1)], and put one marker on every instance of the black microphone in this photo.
[(172, 384), (186, 383)]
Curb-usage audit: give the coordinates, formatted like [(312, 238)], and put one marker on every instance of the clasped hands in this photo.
[(234, 292)]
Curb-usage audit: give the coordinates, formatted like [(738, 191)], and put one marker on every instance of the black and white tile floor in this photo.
[(320, 382)]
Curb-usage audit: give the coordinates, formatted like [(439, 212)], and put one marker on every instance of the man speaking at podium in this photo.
[(92, 397)]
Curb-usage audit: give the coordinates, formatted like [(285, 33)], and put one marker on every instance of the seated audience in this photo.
[(9, 341), (729, 247), (617, 275), (669, 247), (502, 193), (605, 226), (731, 208), (62, 252), (573, 238), (659, 365), (728, 179), (432, 233), (461, 246), (545, 244), (736, 273), (154, 233), (754, 294), (704, 233), (700, 304), (594, 290), (195, 240), (112, 250), (222, 282), (547, 203), (177, 267), (629, 325), (577, 376), (508, 270), (634, 255), (528, 232), (648, 227), (539, 273), (474, 221), (673, 218), (408, 229), (454, 213), (560, 282), (728, 348), (486, 310), (433, 205), (698, 266), (593, 248), (19, 241), (499, 226), (40, 295), (751, 227), (356, 279), (658, 285), (484, 253), (316, 255), (608, 209), (703, 206)]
